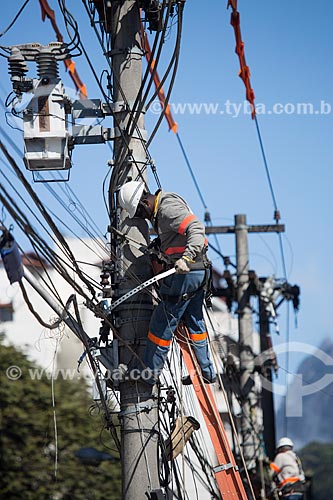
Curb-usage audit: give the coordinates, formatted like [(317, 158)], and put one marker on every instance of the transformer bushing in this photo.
[(47, 65), (17, 69)]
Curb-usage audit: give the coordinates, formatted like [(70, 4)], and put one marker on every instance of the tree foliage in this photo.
[(27, 439), (317, 460)]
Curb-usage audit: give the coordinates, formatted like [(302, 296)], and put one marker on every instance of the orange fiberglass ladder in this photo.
[(226, 472)]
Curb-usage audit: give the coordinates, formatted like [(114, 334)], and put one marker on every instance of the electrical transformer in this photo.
[(45, 129), (45, 118)]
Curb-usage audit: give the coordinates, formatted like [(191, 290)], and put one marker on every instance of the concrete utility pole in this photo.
[(249, 425), (139, 413), (250, 441)]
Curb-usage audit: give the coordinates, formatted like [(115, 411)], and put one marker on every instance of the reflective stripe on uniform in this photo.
[(292, 479), (198, 336), (158, 341), (274, 467), (172, 250), (185, 222)]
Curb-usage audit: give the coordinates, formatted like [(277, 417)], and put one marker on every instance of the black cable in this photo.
[(126, 136), (15, 18), (70, 21), (77, 220), (35, 239), (167, 71), (173, 76), (119, 126), (49, 326), (45, 215), (48, 253), (155, 67), (54, 194)]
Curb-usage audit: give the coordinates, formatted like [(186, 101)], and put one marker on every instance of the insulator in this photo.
[(47, 65), (17, 65)]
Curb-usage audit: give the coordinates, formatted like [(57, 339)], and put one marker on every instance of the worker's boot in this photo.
[(188, 381)]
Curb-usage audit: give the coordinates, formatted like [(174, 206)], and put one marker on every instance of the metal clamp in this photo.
[(118, 322), (220, 468), (137, 408), (125, 50)]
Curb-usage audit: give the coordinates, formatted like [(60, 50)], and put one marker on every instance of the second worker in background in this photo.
[(182, 240)]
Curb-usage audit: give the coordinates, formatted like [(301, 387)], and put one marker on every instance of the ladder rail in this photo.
[(226, 472)]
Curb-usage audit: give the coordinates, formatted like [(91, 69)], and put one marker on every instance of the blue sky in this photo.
[(288, 49)]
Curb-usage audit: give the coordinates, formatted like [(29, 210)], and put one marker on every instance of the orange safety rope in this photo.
[(161, 96), (244, 72), (47, 12)]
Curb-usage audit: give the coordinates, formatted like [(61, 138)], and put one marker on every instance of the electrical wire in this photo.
[(270, 184), (173, 76), (118, 124), (130, 274), (207, 213), (286, 421), (70, 21), (15, 18), (152, 66), (132, 120), (231, 419), (46, 216), (92, 223), (167, 430), (54, 412), (49, 326), (189, 407), (34, 238)]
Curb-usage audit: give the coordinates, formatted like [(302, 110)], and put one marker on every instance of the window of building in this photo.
[(6, 312)]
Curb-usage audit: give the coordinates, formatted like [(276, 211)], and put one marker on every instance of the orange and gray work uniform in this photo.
[(181, 235), (288, 473)]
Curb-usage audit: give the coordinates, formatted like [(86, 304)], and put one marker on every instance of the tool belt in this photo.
[(288, 489), (162, 262), (189, 295)]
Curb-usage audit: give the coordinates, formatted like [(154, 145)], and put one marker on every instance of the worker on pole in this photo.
[(288, 472), (183, 245)]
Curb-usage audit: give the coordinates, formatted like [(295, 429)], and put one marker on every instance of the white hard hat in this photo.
[(130, 195), (285, 442)]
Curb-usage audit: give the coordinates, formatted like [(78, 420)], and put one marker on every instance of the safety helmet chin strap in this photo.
[(142, 210)]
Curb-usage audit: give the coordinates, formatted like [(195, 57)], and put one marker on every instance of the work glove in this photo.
[(181, 266)]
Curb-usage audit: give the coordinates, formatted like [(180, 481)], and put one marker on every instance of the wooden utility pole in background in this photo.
[(138, 415), (249, 424)]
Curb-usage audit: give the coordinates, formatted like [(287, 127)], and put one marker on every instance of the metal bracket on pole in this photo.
[(95, 108), (127, 50), (119, 107), (133, 319), (96, 134), (220, 468), (137, 408)]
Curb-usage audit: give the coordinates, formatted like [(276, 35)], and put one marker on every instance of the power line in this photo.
[(270, 184), (15, 18)]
